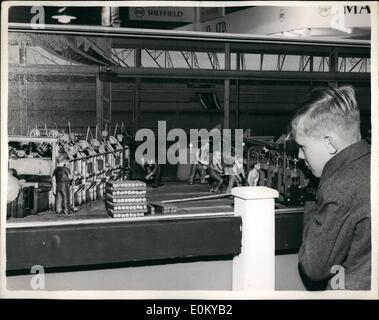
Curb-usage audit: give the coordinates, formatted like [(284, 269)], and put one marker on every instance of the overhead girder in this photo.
[(243, 74), (208, 42), (213, 60), (77, 49), (304, 61), (191, 59), (251, 47), (121, 73), (156, 44)]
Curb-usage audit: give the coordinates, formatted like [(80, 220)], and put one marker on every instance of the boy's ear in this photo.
[(330, 145)]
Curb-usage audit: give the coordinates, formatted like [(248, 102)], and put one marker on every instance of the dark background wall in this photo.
[(265, 107)]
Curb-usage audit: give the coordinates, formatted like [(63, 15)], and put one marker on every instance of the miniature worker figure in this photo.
[(253, 177), (202, 159), (237, 175), (152, 171), (63, 177), (216, 171)]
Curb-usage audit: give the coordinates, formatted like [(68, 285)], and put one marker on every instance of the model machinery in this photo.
[(92, 162), (280, 168)]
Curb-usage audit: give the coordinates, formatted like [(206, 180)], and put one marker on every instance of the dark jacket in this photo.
[(62, 174), (337, 230)]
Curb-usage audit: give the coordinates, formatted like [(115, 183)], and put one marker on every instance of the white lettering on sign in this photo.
[(170, 14), (164, 13)]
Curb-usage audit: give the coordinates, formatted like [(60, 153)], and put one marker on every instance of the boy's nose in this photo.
[(301, 154)]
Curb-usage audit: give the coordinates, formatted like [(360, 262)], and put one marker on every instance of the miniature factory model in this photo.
[(279, 169), (91, 162), (100, 168), (275, 167)]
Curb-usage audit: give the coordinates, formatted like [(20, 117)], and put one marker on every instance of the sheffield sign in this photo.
[(167, 14)]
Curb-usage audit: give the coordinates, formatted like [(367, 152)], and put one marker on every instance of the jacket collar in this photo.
[(347, 155)]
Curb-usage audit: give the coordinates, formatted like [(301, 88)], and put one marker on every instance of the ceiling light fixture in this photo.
[(63, 17)]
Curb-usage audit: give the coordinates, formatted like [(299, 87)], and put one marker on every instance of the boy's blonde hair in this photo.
[(325, 110)]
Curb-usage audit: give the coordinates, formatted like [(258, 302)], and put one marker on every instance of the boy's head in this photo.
[(62, 161), (327, 123), (256, 166), (239, 159)]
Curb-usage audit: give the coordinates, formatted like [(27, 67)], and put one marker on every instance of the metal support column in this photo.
[(137, 93), (99, 103), (227, 89), (333, 64), (22, 87), (110, 17), (136, 108), (103, 103), (104, 88), (238, 67)]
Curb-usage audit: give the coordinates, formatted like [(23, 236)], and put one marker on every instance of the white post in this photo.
[(254, 267)]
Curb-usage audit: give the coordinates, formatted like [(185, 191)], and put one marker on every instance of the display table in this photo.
[(206, 230)]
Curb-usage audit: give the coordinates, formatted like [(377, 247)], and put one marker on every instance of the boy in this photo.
[(237, 174), (63, 177), (202, 158), (253, 176), (337, 229), (216, 171)]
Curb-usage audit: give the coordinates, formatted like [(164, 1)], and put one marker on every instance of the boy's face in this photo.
[(314, 152), (63, 163)]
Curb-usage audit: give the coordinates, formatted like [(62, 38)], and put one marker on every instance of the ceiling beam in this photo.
[(242, 74), (121, 73), (54, 70)]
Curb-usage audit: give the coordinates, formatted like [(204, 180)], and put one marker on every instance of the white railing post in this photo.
[(254, 267)]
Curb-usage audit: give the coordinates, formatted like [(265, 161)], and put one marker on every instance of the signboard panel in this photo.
[(211, 13), (167, 14), (274, 20), (357, 16)]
